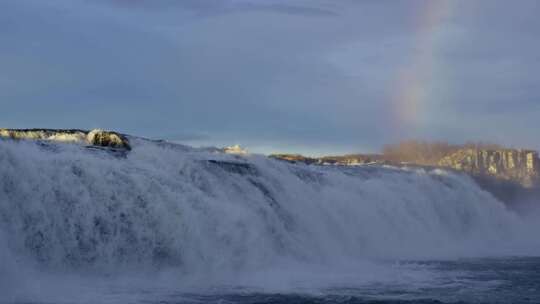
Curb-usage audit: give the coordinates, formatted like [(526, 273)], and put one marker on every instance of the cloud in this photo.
[(309, 8), (319, 74)]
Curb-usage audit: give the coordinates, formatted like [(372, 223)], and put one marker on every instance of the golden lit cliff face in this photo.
[(95, 137), (516, 165)]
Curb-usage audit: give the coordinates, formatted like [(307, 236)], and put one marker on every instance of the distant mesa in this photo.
[(96, 137)]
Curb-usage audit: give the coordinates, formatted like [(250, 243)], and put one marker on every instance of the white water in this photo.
[(166, 210)]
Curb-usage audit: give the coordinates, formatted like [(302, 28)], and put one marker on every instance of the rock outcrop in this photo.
[(344, 160), (521, 166), (96, 138), (45, 134), (294, 158), (108, 139), (236, 149)]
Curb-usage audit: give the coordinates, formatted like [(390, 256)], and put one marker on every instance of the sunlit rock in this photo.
[(96, 137), (107, 139), (45, 134), (236, 149), (520, 166)]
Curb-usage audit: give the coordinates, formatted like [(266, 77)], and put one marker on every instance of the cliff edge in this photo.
[(515, 166), (94, 138), (520, 166)]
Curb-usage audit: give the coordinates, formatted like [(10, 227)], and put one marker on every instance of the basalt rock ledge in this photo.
[(93, 138), (520, 166)]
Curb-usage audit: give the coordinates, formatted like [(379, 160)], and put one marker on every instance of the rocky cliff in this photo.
[(521, 166), (95, 138), (511, 175)]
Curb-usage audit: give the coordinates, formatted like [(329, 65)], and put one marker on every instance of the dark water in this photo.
[(509, 280)]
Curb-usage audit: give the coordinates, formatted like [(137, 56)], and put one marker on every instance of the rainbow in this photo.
[(413, 91)]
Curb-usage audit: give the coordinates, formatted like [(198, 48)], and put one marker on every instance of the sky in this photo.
[(313, 77)]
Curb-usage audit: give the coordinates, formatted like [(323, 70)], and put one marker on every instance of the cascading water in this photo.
[(64, 207)]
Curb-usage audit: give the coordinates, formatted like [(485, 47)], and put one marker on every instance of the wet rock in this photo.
[(110, 139), (97, 138)]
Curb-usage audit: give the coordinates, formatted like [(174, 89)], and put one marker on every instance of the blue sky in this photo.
[(313, 76)]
